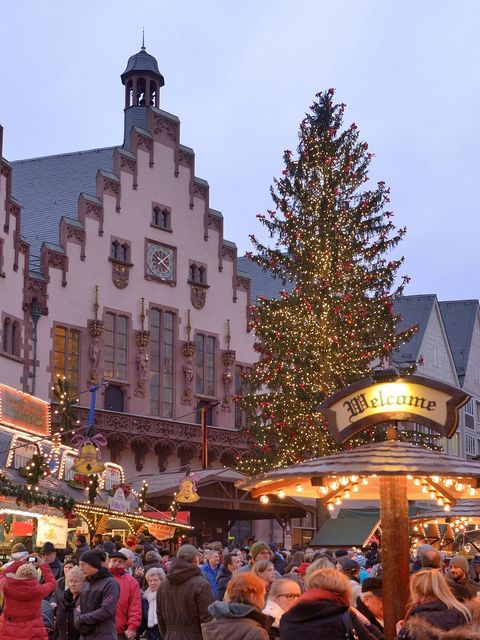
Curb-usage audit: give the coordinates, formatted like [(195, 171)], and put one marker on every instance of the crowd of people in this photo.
[(132, 591)]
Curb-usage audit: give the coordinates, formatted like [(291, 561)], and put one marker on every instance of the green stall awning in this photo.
[(346, 532)]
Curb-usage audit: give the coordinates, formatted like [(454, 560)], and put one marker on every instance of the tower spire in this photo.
[(143, 39)]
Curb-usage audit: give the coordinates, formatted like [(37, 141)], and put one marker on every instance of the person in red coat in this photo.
[(21, 616), (129, 609)]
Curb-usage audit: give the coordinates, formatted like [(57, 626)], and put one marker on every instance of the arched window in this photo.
[(124, 252), (153, 94), (202, 275), (15, 343), (161, 217), (141, 89), (114, 250), (7, 335), (193, 272), (129, 93)]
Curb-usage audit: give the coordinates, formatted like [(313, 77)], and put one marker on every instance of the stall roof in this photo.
[(345, 532)]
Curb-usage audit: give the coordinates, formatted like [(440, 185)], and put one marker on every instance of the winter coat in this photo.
[(223, 578), (57, 569), (319, 619), (64, 622), (435, 618), (236, 621), (129, 607), (463, 590), (183, 600), (211, 574), (21, 617), (98, 603)]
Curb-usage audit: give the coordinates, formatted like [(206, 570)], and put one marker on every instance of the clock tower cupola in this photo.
[(142, 80)]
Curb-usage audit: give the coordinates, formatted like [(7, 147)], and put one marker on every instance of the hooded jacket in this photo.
[(312, 618), (21, 616), (433, 620), (236, 621), (182, 602), (98, 604)]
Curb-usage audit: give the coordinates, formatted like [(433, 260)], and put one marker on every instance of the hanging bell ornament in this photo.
[(187, 491), (87, 461)]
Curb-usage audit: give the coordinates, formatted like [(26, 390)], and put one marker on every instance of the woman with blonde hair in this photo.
[(240, 616), (283, 594), (324, 611), (66, 603), (433, 608)]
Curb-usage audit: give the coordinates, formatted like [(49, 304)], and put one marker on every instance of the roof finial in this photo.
[(143, 39)]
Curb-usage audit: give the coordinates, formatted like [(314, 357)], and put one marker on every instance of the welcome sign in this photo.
[(410, 399)]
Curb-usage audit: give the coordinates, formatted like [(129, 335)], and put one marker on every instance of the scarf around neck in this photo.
[(313, 595), (151, 597)]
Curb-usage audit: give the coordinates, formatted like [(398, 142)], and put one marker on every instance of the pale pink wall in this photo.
[(71, 305), (11, 280)]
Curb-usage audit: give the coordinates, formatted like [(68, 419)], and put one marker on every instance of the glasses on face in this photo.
[(289, 596)]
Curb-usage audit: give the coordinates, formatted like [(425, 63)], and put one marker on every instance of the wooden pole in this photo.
[(395, 550)]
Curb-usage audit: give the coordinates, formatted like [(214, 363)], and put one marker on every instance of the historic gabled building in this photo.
[(462, 323), (114, 267)]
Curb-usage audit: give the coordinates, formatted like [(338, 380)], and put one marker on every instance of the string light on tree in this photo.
[(333, 239)]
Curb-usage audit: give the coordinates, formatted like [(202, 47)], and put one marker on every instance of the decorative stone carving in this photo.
[(140, 448), (142, 372), (228, 360), (243, 284), (142, 338), (36, 288), (186, 452), (198, 296), (120, 274), (94, 353), (116, 444), (163, 450), (155, 431), (214, 222), (189, 350), (230, 253), (128, 164), (185, 158), (165, 128)]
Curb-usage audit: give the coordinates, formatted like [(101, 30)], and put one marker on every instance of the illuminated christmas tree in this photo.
[(332, 243)]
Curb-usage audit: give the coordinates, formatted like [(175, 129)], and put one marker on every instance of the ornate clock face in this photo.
[(161, 262)]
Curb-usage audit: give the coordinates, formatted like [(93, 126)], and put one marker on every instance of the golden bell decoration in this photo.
[(187, 491), (88, 461)]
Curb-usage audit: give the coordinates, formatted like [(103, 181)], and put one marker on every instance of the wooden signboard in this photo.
[(410, 399)]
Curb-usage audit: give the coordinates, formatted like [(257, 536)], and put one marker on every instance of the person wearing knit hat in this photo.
[(459, 581), (98, 599), (259, 550)]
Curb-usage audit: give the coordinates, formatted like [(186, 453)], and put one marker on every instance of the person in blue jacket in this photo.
[(211, 568)]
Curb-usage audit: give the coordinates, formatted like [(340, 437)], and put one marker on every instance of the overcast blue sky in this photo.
[(240, 77)]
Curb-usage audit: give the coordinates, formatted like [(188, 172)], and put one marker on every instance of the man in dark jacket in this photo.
[(370, 604), (81, 547), (49, 555), (231, 562), (98, 600), (183, 598)]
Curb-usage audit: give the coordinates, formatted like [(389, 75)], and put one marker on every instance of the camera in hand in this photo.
[(32, 558)]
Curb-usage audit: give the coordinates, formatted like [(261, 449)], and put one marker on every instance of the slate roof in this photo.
[(459, 320), (48, 188), (413, 310), (141, 61), (263, 283)]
